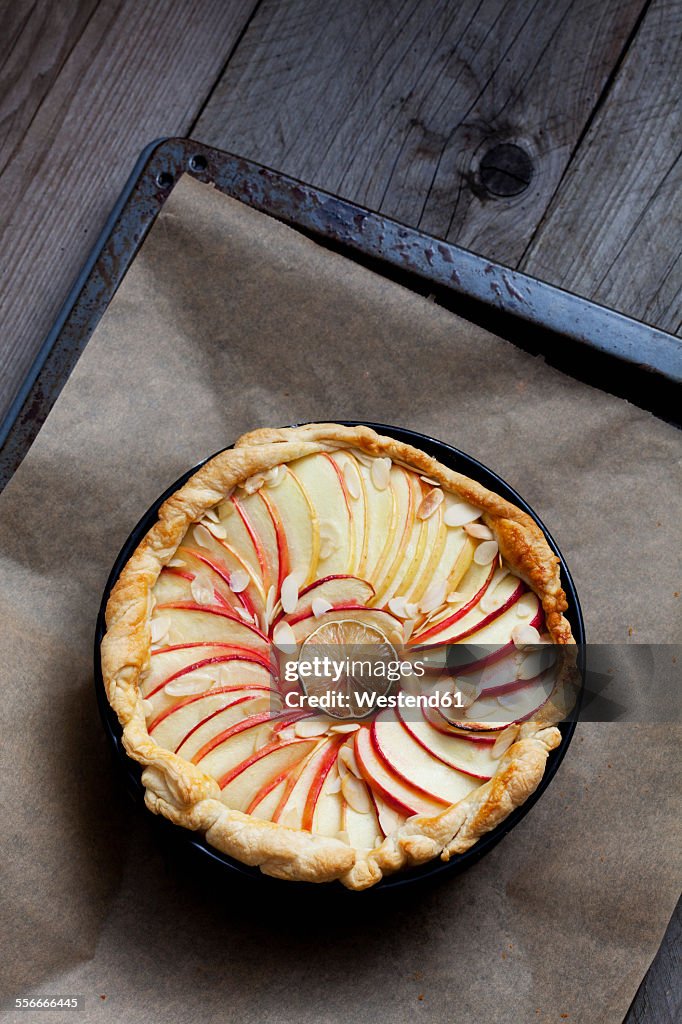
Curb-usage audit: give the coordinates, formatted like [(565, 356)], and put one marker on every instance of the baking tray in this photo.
[(588, 341), (222, 872)]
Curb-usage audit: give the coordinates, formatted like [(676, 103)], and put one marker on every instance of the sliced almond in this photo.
[(202, 536), (434, 596), (274, 476), (408, 629), (147, 706), (479, 530), (486, 552), (187, 685), (254, 483), (356, 795), (291, 818), (460, 513), (320, 605), (177, 563), (286, 734), (239, 581), (504, 741), (215, 529), (334, 785), (525, 635), (526, 605), (159, 628), (289, 592), (428, 480), (212, 515), (381, 473), (350, 475), (455, 597), (347, 759), (307, 728), (202, 591), (347, 727), (397, 606), (270, 598), (283, 637), (430, 503)]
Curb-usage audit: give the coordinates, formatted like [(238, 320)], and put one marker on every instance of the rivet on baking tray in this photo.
[(198, 162), (165, 179)]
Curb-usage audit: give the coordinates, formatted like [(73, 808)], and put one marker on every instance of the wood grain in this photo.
[(617, 212), (98, 83), (659, 999), (393, 104)]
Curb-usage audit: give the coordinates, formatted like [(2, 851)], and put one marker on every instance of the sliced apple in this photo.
[(235, 551), (217, 570), (383, 781), (232, 745), (177, 723), (435, 718), (405, 487), (360, 822), (310, 773), (296, 515), (382, 520), (339, 591), (481, 577), (260, 529), (260, 772), (319, 479), (455, 751), (379, 617), (167, 662), (415, 764), (190, 622), (213, 724), (356, 498), (488, 627), (328, 815), (389, 819)]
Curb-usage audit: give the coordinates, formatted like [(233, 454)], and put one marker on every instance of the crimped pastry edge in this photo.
[(189, 797)]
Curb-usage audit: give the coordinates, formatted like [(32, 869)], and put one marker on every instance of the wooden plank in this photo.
[(394, 104), (101, 85), (617, 211)]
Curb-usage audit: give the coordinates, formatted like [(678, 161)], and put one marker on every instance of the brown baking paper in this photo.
[(228, 321)]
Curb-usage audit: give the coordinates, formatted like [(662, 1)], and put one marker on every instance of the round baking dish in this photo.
[(193, 848)]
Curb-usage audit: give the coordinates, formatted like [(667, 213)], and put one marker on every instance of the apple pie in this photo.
[(323, 538)]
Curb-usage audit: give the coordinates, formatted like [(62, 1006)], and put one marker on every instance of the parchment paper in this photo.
[(227, 321)]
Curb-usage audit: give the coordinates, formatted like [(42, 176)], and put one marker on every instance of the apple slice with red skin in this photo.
[(223, 747), (324, 761), (389, 819), (248, 657), (455, 751), (362, 827), (237, 691), (221, 721), (297, 805), (261, 772), (167, 661), (378, 617), (197, 559), (436, 718), (341, 591), (191, 622), (283, 560), (402, 796), (441, 633), (415, 764)]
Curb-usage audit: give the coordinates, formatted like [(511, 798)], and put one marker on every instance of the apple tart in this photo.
[(326, 537)]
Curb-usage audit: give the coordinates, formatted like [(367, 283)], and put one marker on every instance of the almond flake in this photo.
[(381, 473), (468, 690), (147, 706), (524, 635), (239, 581), (289, 592), (428, 480), (185, 686), (269, 605), (504, 741), (347, 759), (320, 605), (408, 627), (454, 597), (334, 786), (287, 733), (291, 818), (177, 563), (430, 503), (526, 605), (355, 794), (274, 476), (202, 592), (460, 513), (283, 637), (310, 727), (243, 614), (254, 483), (212, 516), (397, 606), (486, 552), (159, 628), (434, 596), (350, 475), (215, 529), (347, 727), (202, 536), (480, 531)]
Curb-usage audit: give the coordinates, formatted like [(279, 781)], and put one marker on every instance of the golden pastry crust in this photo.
[(188, 796)]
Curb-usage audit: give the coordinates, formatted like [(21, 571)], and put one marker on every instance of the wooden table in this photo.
[(544, 134)]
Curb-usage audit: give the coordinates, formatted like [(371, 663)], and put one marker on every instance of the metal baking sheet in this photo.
[(591, 342)]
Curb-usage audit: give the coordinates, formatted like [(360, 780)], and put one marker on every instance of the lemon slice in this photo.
[(356, 671)]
